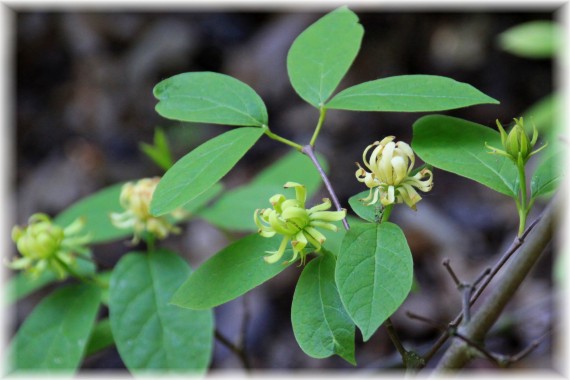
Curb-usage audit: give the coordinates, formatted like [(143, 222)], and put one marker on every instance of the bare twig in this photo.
[(518, 241), (308, 150), (457, 355), (240, 353)]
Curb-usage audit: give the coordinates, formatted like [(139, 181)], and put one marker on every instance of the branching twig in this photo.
[(456, 355), (240, 353), (518, 241)]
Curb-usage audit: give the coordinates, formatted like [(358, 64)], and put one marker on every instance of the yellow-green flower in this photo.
[(44, 245), (298, 225), (517, 145), (135, 198), (388, 178)]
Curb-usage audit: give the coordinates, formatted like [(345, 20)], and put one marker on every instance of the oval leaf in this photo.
[(207, 97), (95, 209), (534, 39), (148, 331), (409, 93), (243, 200), (374, 273), (200, 169), (458, 146), (54, 336), (101, 338), (233, 271), (548, 175), (321, 55), (320, 324)]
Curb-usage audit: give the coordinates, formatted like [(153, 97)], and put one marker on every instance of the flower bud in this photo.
[(517, 145)]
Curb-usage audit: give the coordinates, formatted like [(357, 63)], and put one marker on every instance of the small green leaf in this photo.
[(244, 200), (150, 333), (320, 56), (200, 169), (409, 93), (233, 271), (101, 338), (458, 146), (22, 284), (320, 324), (534, 39), (365, 212), (548, 175), (54, 336), (206, 97), (159, 153), (374, 273)]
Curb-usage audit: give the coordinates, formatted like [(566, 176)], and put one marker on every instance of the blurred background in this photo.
[(84, 102)]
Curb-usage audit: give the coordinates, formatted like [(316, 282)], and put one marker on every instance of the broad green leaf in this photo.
[(458, 146), (409, 93), (101, 337), (374, 274), (234, 210), (320, 324), (22, 284), (549, 174), (96, 209), (150, 333), (321, 55), (365, 212), (54, 336), (206, 97), (200, 169), (233, 271), (534, 39)]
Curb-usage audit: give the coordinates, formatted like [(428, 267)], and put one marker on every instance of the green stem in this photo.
[(80, 277), (387, 212), (323, 113), (283, 140), (522, 206)]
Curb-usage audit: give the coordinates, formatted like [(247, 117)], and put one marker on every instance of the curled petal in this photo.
[(276, 201), (300, 192), (276, 255), (364, 159), (325, 225), (321, 207), (328, 216), (409, 195), (315, 238), (400, 169)]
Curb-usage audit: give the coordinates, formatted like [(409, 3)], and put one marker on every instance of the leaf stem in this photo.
[(323, 113), (80, 277), (387, 212), (283, 140)]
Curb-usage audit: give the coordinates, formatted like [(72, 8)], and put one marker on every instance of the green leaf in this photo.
[(150, 333), (534, 39), (233, 271), (374, 273), (365, 212), (101, 338), (458, 146), (320, 56), (409, 93), (159, 153), (96, 209), (206, 97), (549, 174), (200, 169), (320, 324), (234, 210), (23, 284), (54, 336)]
